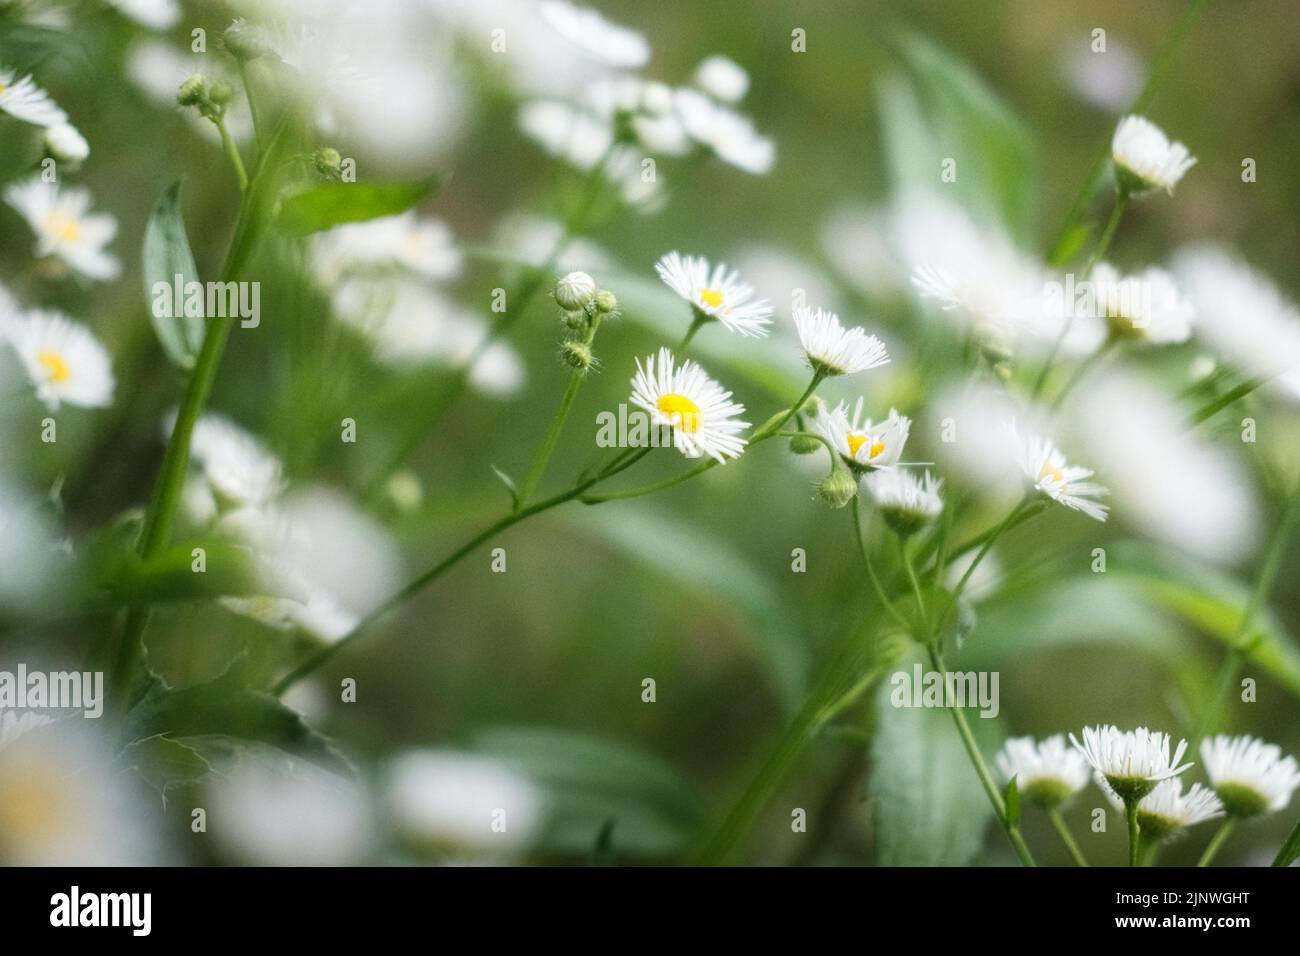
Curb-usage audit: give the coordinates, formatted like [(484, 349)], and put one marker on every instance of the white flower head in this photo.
[(863, 445), (423, 247), (1145, 158), (63, 359), (1047, 772), (1249, 775), (66, 144), (595, 36), (1146, 306), (574, 290), (65, 227), (699, 410), (716, 292), (1048, 472), (833, 349), (155, 14), (24, 100), (722, 78), (235, 464), (1132, 762), (906, 503), (732, 137), (1167, 810)]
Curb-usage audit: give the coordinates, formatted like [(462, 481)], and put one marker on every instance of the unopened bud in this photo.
[(193, 91), (221, 93), (838, 488), (802, 444), (327, 161), (606, 301), (575, 290), (577, 355), (574, 319)]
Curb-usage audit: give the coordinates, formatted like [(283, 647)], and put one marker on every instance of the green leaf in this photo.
[(508, 482), (167, 259), (1290, 849), (122, 576), (165, 763), (331, 204), (1011, 797), (929, 808)]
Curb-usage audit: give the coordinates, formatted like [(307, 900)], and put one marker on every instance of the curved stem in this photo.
[(906, 557), (1067, 837), (1217, 841), (1212, 408), (232, 153), (885, 602)]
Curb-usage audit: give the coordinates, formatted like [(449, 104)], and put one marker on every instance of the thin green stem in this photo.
[(906, 557), (232, 153), (885, 602), (698, 321), (1134, 831), (1217, 841), (1238, 392), (981, 768), (1058, 821)]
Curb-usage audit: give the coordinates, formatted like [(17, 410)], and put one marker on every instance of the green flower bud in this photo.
[(221, 93), (804, 445), (193, 91), (577, 355), (574, 319), (606, 301), (838, 488), (575, 290), (327, 161)]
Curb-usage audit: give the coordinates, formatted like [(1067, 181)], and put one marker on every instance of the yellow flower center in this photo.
[(1050, 471), (683, 412), (857, 441), (711, 297), (3, 87), (63, 227), (59, 370)]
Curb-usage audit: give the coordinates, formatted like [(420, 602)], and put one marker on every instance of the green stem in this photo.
[(885, 602), (232, 153), (1021, 511), (981, 768), (699, 321), (1217, 841), (1067, 837), (1134, 831), (1212, 408), (906, 557)]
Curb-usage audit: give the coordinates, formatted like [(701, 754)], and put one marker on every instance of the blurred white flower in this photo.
[(1108, 79), (66, 144), (155, 14), (1146, 306), (63, 359), (855, 239), (906, 503), (970, 420), (1249, 775), (1047, 772), (1177, 487), (1167, 810), (65, 227), (717, 292), (425, 247), (722, 78), (833, 349), (24, 100), (1145, 158), (533, 239), (1049, 473), (1241, 314), (234, 462), (732, 137), (15, 723), (275, 812), (595, 36), (863, 445), (567, 132), (699, 410), (32, 572), (1132, 762), (462, 804)]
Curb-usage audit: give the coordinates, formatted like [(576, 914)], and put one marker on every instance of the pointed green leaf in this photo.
[(331, 204), (508, 482), (1290, 849), (167, 262)]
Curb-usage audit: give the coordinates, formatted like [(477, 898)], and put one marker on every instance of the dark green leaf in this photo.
[(1290, 849), (168, 262), (124, 577), (331, 204)]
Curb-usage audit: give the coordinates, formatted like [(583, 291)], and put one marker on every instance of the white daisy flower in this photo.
[(449, 802), (1249, 775), (722, 78), (698, 409), (732, 137), (834, 350), (595, 36), (1241, 313), (1167, 810), (1145, 158), (424, 247), (1146, 306), (63, 359), (66, 144), (1047, 772), (1049, 473), (24, 100), (1132, 762), (234, 463), (155, 14), (65, 228), (716, 292), (906, 503), (865, 446)]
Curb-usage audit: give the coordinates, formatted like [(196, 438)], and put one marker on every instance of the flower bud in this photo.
[(575, 319), (193, 91), (804, 445), (606, 301), (577, 355), (327, 161), (66, 144), (838, 488), (221, 93), (575, 290)]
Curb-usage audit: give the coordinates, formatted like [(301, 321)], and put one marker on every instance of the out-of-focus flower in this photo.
[(534, 239), (274, 814), (906, 503), (1250, 776), (1049, 473), (1146, 306), (732, 137), (699, 410), (66, 144), (1047, 772), (63, 803), (1241, 314), (1145, 158), (233, 462), (23, 99), (424, 247), (716, 292), (855, 239), (65, 227), (864, 445), (63, 359), (1166, 811), (1108, 79), (155, 14), (1132, 762), (722, 78), (595, 36), (32, 572), (834, 350), (1170, 483)]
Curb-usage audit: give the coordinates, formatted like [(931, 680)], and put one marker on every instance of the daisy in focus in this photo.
[(65, 227), (1046, 772), (698, 409), (906, 503), (1050, 474), (1145, 158), (863, 445), (834, 350), (63, 359), (24, 100), (1250, 776), (1131, 762), (715, 293), (1167, 810), (1146, 307)]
